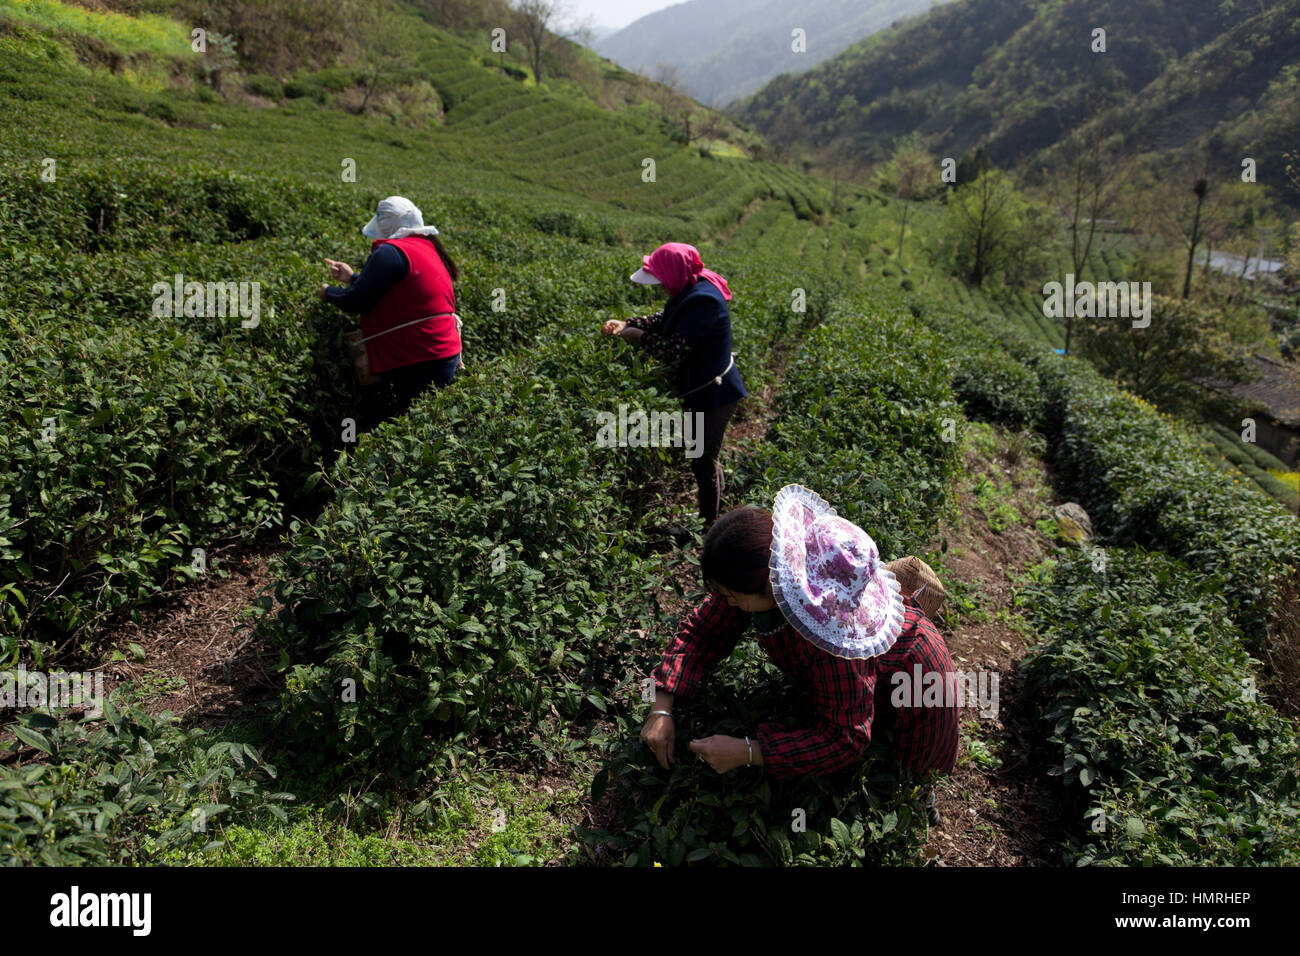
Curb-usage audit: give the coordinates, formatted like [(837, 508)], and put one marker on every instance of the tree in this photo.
[(1093, 181), (676, 108), (994, 228), (220, 60), (910, 175), (1200, 189), (386, 47), (540, 23), (711, 125), (1177, 362)]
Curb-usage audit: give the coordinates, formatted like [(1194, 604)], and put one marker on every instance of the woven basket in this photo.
[(918, 580), (360, 359)]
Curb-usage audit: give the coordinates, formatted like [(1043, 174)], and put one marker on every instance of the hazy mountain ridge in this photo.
[(726, 49)]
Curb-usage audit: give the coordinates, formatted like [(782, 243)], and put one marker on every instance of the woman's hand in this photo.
[(324, 289), (613, 327), (660, 736), (724, 753), (339, 271)]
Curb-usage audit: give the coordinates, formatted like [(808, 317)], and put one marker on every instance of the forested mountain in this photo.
[(1024, 78), (725, 49)]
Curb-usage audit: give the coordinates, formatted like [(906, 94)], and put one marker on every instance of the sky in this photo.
[(617, 13)]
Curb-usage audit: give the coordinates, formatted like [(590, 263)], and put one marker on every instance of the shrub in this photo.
[(111, 792), (263, 85), (562, 222), (1145, 480), (1142, 687), (118, 206), (469, 575), (860, 419), (165, 434), (1259, 456), (995, 387)]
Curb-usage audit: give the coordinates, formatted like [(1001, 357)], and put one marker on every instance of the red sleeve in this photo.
[(843, 692), (706, 636)]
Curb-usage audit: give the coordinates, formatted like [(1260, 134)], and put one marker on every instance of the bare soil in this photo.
[(996, 807), (202, 660)]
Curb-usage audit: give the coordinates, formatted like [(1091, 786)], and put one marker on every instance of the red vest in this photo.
[(426, 291)]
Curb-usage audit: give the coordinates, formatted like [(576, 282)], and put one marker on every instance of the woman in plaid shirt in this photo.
[(830, 615)]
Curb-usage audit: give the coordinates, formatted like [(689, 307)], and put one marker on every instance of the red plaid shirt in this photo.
[(846, 692)]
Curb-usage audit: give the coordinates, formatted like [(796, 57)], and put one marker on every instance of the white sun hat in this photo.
[(645, 277), (396, 218)]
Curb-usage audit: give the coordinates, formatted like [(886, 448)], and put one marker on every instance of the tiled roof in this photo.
[(1277, 390)]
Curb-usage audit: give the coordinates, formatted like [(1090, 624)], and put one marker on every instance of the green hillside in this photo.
[(460, 608), (1177, 81)]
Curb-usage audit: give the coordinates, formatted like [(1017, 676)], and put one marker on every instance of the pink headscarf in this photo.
[(678, 266)]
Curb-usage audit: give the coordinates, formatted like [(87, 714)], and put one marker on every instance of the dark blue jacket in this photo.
[(386, 267), (701, 317)]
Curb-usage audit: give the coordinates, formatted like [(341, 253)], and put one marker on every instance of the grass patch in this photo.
[(493, 822), (147, 33)]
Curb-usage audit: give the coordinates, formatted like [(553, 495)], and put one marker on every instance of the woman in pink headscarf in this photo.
[(693, 332)]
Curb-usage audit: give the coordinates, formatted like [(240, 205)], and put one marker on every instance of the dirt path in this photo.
[(201, 661), (754, 206), (996, 806)]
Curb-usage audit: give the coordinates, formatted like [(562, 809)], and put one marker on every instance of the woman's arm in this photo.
[(706, 636), (386, 267), (843, 690), (648, 330), (646, 323)]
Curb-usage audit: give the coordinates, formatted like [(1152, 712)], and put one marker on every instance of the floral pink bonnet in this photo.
[(828, 579)]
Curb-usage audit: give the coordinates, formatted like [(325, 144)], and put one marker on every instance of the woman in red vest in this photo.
[(407, 301)]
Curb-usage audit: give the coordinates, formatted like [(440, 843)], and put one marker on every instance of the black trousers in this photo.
[(706, 468), (400, 387)]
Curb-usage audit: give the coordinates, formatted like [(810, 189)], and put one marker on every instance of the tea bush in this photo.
[(994, 387), (1145, 480), (1253, 462), (861, 419), (1259, 456), (139, 437), (1144, 692), (125, 204), (474, 556), (693, 815), (110, 791)]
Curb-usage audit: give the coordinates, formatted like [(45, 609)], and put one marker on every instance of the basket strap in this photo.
[(404, 325), (716, 380)]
